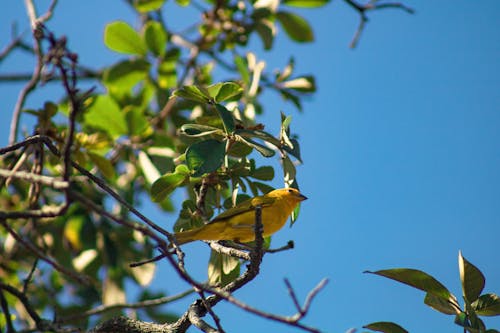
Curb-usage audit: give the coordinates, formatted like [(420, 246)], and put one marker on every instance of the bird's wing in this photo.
[(244, 206)]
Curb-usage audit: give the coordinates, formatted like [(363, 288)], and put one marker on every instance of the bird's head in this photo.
[(290, 194)]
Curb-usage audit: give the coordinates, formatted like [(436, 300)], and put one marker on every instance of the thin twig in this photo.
[(5, 308), (137, 305), (362, 9), (27, 280), (35, 178), (39, 253), (290, 245), (230, 251), (11, 46), (312, 294), (41, 324), (293, 296), (147, 261)]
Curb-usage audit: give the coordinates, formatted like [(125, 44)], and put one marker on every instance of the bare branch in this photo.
[(35, 178), (137, 305), (41, 324), (5, 308), (27, 280), (362, 9)]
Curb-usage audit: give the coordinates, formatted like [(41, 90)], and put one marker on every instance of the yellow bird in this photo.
[(238, 223)]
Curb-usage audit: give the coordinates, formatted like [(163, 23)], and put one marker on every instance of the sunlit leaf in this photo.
[(224, 91), (222, 269), (265, 151), (305, 84), (198, 130), (105, 114), (149, 170), (266, 30), (144, 274), (144, 6), (471, 277), (193, 93), (103, 164), (487, 305), (119, 36), (165, 185), (305, 3), (440, 304), (122, 77), (155, 38), (420, 280)]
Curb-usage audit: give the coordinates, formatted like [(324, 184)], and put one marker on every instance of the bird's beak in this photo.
[(302, 197)]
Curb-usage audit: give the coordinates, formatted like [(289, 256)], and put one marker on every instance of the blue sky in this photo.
[(401, 150)]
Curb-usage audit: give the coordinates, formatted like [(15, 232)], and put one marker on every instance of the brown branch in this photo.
[(137, 305), (84, 280), (5, 308), (35, 178), (86, 74), (98, 181), (372, 5), (41, 324), (10, 47), (27, 280), (27, 89), (37, 71)]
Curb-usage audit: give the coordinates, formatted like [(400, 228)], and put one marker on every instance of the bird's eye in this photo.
[(290, 190)]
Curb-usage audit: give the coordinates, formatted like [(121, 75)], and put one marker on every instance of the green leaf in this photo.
[(155, 37), (198, 130), (420, 280), (386, 327), (296, 27), (289, 170), (242, 66), (222, 269), (122, 77), (183, 3), (487, 305), (193, 93), (260, 135), (263, 173), (167, 70), (239, 149), (472, 279), (305, 3), (205, 156), (266, 31), (224, 91), (149, 170), (103, 164), (166, 184), (137, 122), (144, 6), (295, 151), (440, 304), (105, 114), (227, 118), (122, 38), (265, 151)]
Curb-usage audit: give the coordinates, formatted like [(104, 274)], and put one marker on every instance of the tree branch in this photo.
[(372, 5), (137, 305)]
